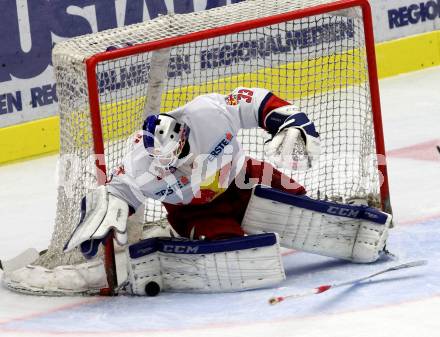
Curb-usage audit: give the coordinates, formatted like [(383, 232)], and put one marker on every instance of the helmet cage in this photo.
[(164, 149)]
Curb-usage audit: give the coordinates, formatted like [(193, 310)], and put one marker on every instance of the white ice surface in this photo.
[(404, 304)]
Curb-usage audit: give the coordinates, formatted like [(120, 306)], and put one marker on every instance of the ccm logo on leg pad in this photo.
[(351, 213), (180, 249)]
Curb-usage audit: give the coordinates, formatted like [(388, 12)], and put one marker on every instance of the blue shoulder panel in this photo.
[(184, 246), (328, 207)]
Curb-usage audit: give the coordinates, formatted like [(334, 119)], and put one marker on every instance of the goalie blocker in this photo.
[(352, 232)]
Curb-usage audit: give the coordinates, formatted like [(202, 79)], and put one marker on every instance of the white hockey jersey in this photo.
[(215, 158)]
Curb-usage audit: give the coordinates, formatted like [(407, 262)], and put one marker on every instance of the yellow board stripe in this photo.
[(324, 74), (408, 54), (317, 75), (29, 139), (394, 57)]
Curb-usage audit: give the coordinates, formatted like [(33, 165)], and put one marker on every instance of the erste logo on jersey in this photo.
[(170, 189), (220, 146)]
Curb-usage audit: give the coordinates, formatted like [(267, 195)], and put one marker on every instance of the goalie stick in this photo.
[(21, 260), (323, 288)]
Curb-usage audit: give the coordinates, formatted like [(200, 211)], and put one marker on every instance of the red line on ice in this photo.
[(418, 220), (52, 310), (211, 326), (423, 151)]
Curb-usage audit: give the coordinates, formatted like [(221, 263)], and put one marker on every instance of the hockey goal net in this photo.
[(318, 54)]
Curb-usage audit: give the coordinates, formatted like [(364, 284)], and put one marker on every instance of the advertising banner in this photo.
[(30, 28), (395, 19)]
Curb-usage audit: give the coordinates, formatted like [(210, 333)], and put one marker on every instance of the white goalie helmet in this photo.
[(164, 139)]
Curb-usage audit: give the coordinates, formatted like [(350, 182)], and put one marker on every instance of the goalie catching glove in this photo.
[(101, 213), (296, 144)]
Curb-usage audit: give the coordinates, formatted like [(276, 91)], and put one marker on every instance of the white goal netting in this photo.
[(318, 62)]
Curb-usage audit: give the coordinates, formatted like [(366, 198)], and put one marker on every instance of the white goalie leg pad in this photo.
[(81, 279), (143, 266), (235, 264), (353, 232)]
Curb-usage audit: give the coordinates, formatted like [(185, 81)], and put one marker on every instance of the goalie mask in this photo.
[(164, 138)]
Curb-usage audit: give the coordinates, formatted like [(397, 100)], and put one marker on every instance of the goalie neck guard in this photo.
[(164, 139)]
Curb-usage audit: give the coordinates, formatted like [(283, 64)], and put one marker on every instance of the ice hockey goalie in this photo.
[(230, 212)]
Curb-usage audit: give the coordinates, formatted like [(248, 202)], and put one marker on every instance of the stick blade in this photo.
[(20, 261)]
